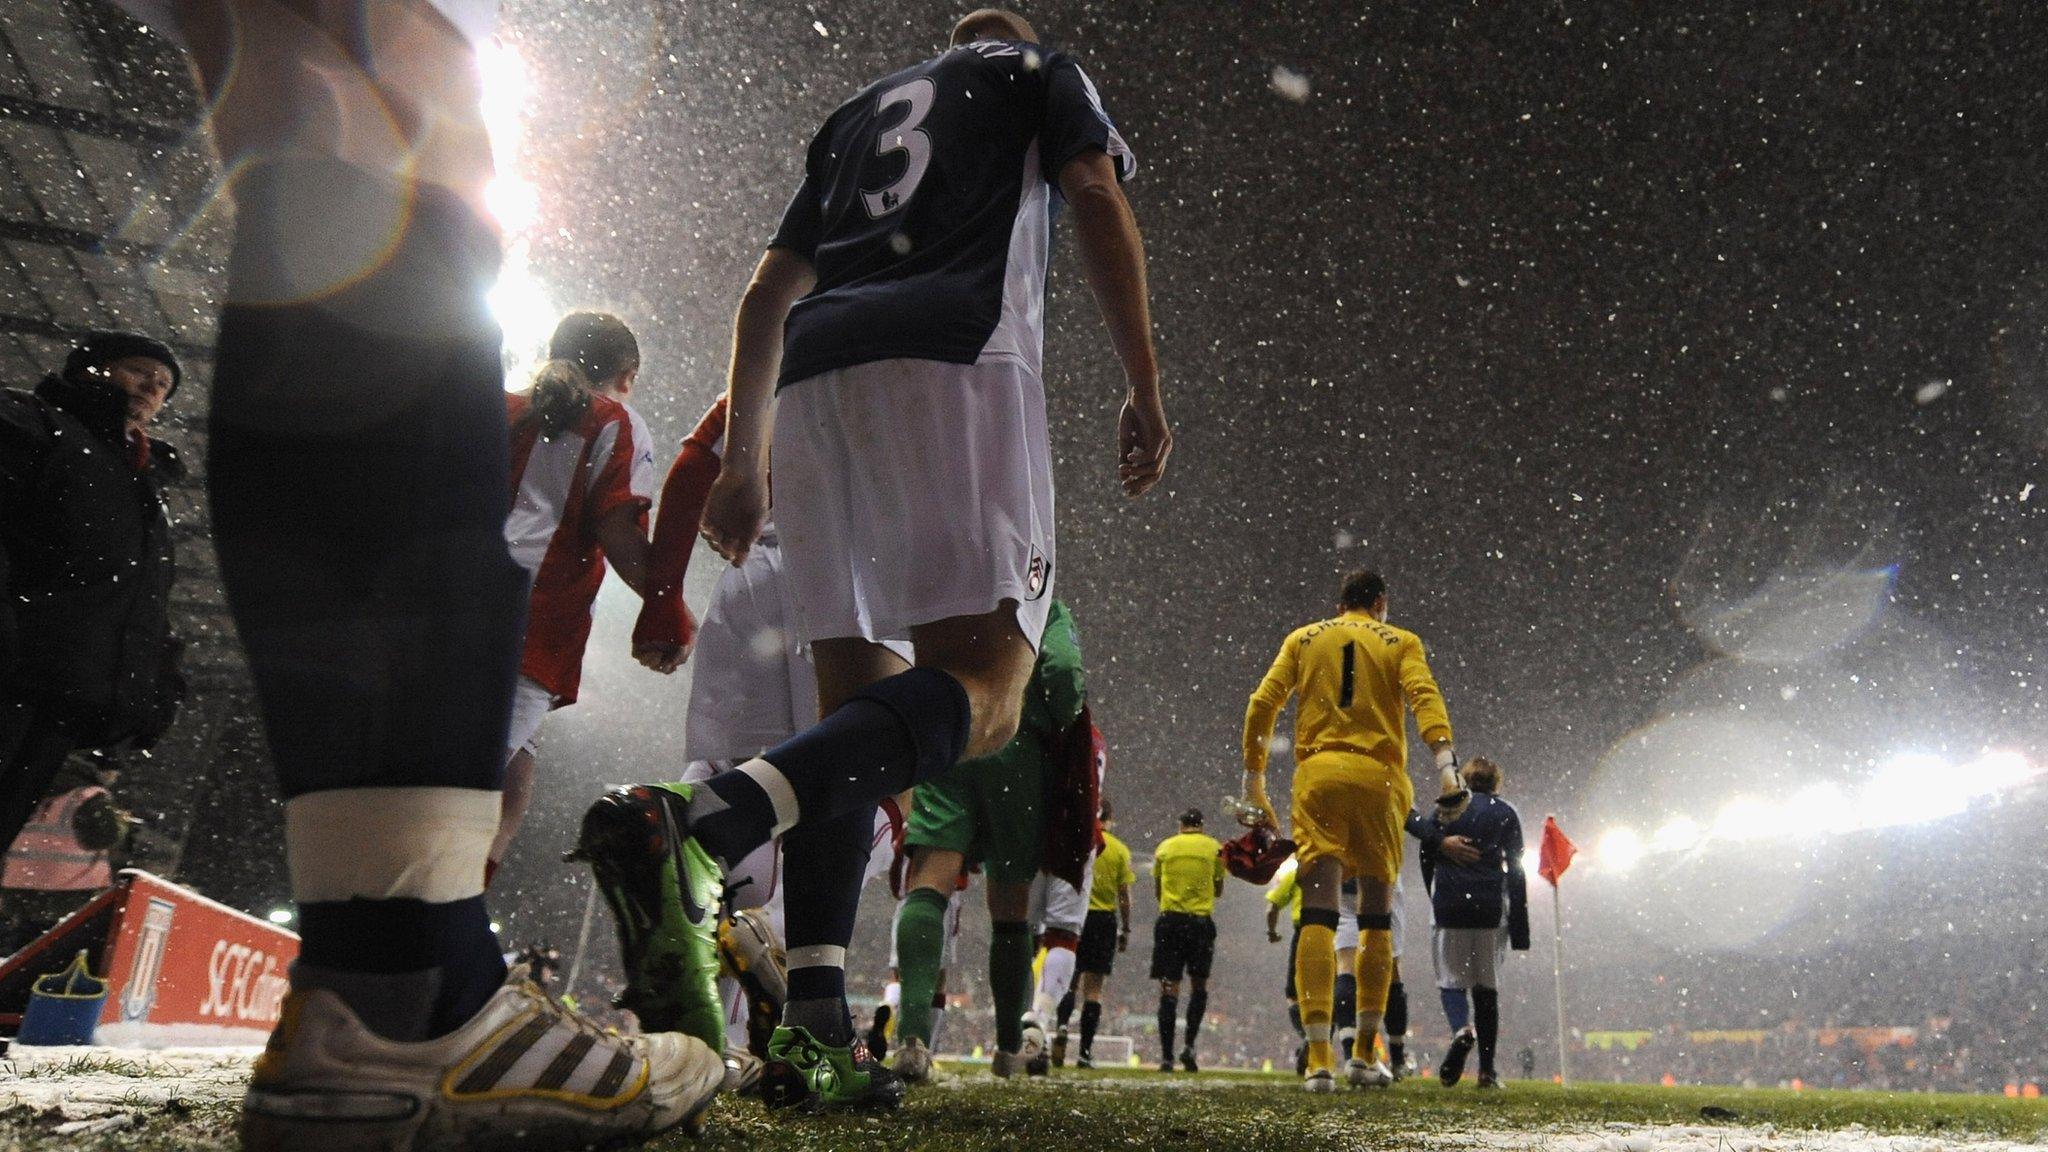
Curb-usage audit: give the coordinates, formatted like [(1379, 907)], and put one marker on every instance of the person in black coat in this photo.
[(87, 659), (1479, 905)]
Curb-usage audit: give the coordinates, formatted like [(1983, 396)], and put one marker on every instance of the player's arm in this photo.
[(1123, 917), (1426, 700), (1518, 883), (1259, 717), (622, 533), (1272, 921), (1218, 867), (1113, 260), (738, 504), (666, 629)]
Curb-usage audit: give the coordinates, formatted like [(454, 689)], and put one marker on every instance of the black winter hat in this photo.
[(99, 348)]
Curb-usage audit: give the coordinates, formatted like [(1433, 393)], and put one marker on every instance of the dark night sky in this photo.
[(1642, 350)]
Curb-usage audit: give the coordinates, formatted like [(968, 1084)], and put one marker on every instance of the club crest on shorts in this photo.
[(1037, 575)]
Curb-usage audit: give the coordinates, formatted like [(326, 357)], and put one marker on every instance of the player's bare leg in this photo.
[(512, 806)]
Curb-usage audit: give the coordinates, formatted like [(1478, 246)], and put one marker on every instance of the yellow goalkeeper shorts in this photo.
[(1353, 808)]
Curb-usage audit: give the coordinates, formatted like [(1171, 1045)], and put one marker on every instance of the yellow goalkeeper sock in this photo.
[(1315, 982)]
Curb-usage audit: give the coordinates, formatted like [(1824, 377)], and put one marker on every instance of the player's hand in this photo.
[(663, 658), (1256, 811), (1143, 441), (1123, 940), (1459, 850), (734, 513), (1272, 936)]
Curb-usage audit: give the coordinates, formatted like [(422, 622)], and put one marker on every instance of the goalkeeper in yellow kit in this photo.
[(1354, 676)]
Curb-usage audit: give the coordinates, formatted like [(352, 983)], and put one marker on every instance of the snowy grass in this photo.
[(129, 1102)]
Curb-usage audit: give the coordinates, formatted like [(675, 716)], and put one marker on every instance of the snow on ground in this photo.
[(93, 1090)]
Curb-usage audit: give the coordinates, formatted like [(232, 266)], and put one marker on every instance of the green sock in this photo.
[(920, 948), (1009, 980)]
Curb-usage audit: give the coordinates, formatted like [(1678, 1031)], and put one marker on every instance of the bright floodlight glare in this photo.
[(515, 203), (495, 928), (1998, 771), (1748, 818), (1677, 835), (1822, 808), (280, 916), (1619, 849), (522, 308), (506, 91), (1911, 788)]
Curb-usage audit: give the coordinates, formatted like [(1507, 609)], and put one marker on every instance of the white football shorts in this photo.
[(751, 683), (530, 705), (1057, 906), (1469, 957), (911, 491)]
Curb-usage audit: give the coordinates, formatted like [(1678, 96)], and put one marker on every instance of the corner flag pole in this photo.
[(1553, 858), (1564, 1075)]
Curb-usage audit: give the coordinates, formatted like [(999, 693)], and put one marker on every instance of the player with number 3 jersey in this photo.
[(892, 333)]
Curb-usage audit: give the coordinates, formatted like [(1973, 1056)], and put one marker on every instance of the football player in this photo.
[(1354, 678), (889, 347)]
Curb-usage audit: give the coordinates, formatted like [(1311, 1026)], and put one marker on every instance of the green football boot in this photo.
[(664, 892), (822, 1077)]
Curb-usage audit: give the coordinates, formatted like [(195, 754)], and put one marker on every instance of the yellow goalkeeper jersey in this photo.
[(1355, 677), (1112, 873)]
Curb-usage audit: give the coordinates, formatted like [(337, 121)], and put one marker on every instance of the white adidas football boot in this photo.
[(526, 1074)]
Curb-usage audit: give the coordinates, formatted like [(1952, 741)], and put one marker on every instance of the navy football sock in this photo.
[(1345, 1014), (1168, 1020), (1486, 1006), (1066, 1009), (1397, 1022), (825, 862), (892, 735), (408, 969), (817, 1003), (1091, 1019)]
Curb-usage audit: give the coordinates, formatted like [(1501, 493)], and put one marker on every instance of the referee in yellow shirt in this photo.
[(1354, 677), (1187, 876)]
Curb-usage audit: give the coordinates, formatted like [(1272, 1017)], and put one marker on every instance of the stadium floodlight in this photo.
[(1910, 788), (1619, 849), (1822, 808), (1677, 835), (1748, 818), (280, 916)]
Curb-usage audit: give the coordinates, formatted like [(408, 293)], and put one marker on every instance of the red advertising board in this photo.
[(181, 970)]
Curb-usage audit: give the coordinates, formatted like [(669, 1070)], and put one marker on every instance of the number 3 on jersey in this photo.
[(906, 138)]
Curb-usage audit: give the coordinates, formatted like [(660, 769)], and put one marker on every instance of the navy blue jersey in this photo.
[(926, 209), (1490, 894)]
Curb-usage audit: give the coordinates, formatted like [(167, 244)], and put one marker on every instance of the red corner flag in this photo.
[(1557, 851)]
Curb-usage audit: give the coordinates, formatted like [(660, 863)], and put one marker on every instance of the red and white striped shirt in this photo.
[(561, 490)]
